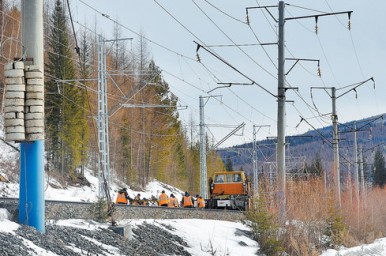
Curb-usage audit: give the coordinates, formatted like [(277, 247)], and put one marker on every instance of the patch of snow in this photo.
[(7, 225), (4, 214)]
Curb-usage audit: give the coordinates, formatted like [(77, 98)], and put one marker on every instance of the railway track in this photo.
[(87, 210)]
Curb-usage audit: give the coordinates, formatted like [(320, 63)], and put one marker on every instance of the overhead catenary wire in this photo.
[(222, 31), (107, 16), (203, 82)]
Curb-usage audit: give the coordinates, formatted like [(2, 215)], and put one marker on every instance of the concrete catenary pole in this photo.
[(356, 176), (280, 152), (255, 173), (31, 193), (363, 187), (203, 170), (335, 145)]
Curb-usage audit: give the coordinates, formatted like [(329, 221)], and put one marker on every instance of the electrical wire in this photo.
[(134, 32), (230, 39), (106, 16)]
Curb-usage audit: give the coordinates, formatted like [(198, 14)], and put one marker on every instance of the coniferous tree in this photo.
[(64, 101), (379, 169)]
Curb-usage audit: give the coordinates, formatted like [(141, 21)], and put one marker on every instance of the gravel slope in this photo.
[(148, 239)]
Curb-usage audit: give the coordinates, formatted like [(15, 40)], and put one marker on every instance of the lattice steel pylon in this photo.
[(102, 119)]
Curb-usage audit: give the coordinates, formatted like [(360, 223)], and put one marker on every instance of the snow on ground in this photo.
[(208, 237), (205, 237), (378, 248)]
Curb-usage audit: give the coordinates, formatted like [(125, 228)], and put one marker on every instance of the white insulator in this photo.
[(35, 88), (34, 102), (34, 123), (34, 129), (13, 109), (34, 136), (14, 65), (34, 116), (34, 109), (14, 87), (15, 136), (35, 81), (14, 73), (34, 95), (14, 129), (14, 80), (13, 122), (14, 95), (14, 102), (13, 115)]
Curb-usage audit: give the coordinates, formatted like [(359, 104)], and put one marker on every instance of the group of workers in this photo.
[(163, 200)]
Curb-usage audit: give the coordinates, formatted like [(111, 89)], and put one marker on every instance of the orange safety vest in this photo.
[(188, 201), (121, 198), (173, 202), (200, 202), (163, 199)]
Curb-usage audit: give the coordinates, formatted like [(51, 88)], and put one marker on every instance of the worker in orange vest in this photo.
[(173, 201), (163, 199), (122, 196), (200, 202), (187, 201)]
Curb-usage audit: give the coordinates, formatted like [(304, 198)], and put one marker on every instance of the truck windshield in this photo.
[(219, 178)]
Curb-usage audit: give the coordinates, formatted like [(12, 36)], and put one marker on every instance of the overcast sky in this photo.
[(346, 57)]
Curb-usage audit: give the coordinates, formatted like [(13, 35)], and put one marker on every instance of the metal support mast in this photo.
[(103, 120), (203, 170), (280, 153)]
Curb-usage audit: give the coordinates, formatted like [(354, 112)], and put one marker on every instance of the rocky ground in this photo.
[(148, 239)]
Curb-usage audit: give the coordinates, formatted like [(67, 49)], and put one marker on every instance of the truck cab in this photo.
[(229, 190)]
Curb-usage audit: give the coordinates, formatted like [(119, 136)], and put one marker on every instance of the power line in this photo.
[(230, 39)]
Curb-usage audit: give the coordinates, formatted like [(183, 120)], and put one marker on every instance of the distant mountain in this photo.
[(302, 149)]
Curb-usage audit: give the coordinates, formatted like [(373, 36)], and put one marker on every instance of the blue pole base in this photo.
[(31, 193)]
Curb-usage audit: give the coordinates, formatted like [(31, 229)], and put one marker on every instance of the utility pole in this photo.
[(356, 176), (363, 188), (104, 173), (280, 153), (335, 135), (203, 152), (335, 146), (103, 120), (31, 193), (203, 170), (254, 165)]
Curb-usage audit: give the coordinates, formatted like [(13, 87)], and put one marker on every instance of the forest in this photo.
[(147, 139)]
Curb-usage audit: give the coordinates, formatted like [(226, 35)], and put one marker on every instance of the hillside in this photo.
[(303, 148)]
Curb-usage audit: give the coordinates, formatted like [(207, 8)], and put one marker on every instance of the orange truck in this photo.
[(229, 190)]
